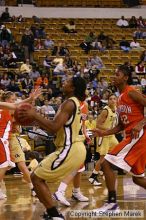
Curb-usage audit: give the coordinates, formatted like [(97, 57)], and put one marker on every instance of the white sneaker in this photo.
[(79, 197), (60, 196), (2, 196), (94, 182), (108, 207)]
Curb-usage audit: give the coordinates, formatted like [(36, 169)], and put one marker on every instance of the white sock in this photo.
[(62, 187), (95, 172), (30, 185), (76, 190)]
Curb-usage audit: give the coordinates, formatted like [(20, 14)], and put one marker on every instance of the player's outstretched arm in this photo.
[(7, 105)]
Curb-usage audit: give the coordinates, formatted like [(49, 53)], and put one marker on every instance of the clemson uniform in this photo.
[(70, 153), (130, 154), (107, 143), (5, 129)]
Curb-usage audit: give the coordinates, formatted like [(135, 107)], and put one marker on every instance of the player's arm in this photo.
[(101, 119), (7, 105), (136, 130), (33, 96), (100, 133), (137, 97), (52, 126)]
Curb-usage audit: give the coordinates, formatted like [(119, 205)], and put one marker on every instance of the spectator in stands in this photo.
[(68, 61), (138, 34), (96, 62), (109, 43), (11, 61), (27, 83), (140, 68), (41, 32), (48, 109), (20, 19), (5, 17), (47, 62), (26, 68), (36, 19), (5, 36), (131, 72), (38, 45), (42, 81), (135, 44), (87, 44), (133, 22), (70, 27), (63, 50), (143, 56), (60, 69), (13, 86), (34, 73), (27, 42), (140, 22), (122, 22), (101, 36), (5, 81), (48, 43), (2, 56), (124, 45)]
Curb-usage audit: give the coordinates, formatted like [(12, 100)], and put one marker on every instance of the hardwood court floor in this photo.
[(19, 205)]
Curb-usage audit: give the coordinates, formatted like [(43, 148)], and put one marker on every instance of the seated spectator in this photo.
[(143, 56), (5, 36), (140, 68), (48, 109), (98, 45), (70, 27), (87, 44), (20, 19), (138, 34), (13, 86), (68, 61), (135, 44), (11, 61), (25, 68), (34, 74), (48, 43), (47, 62), (101, 36), (131, 72), (140, 22), (36, 19), (60, 50), (133, 22), (41, 32), (2, 56), (109, 43), (60, 69), (42, 81), (96, 62), (122, 22), (38, 45), (5, 17), (5, 81), (124, 45)]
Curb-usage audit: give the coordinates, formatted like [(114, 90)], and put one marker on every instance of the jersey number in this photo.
[(124, 119)]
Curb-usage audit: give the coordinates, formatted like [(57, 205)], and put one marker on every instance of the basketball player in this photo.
[(107, 119), (70, 153), (129, 154), (77, 195), (16, 143)]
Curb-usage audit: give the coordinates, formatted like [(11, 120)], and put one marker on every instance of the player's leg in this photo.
[(2, 174)]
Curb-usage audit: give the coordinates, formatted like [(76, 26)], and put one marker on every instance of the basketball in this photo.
[(23, 121)]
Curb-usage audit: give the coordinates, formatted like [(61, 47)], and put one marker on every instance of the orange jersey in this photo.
[(129, 111), (5, 124), (84, 110)]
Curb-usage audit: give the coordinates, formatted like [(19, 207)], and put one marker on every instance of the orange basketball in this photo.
[(23, 121)]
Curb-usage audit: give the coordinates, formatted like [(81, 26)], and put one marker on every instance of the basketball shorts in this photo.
[(62, 163), (130, 154), (106, 144), (5, 159), (16, 148)]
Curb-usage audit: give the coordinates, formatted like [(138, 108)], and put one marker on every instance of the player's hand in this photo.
[(26, 113), (136, 130), (98, 133), (88, 139), (35, 93)]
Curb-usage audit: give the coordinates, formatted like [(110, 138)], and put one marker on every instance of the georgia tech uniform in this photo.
[(107, 143), (70, 153)]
